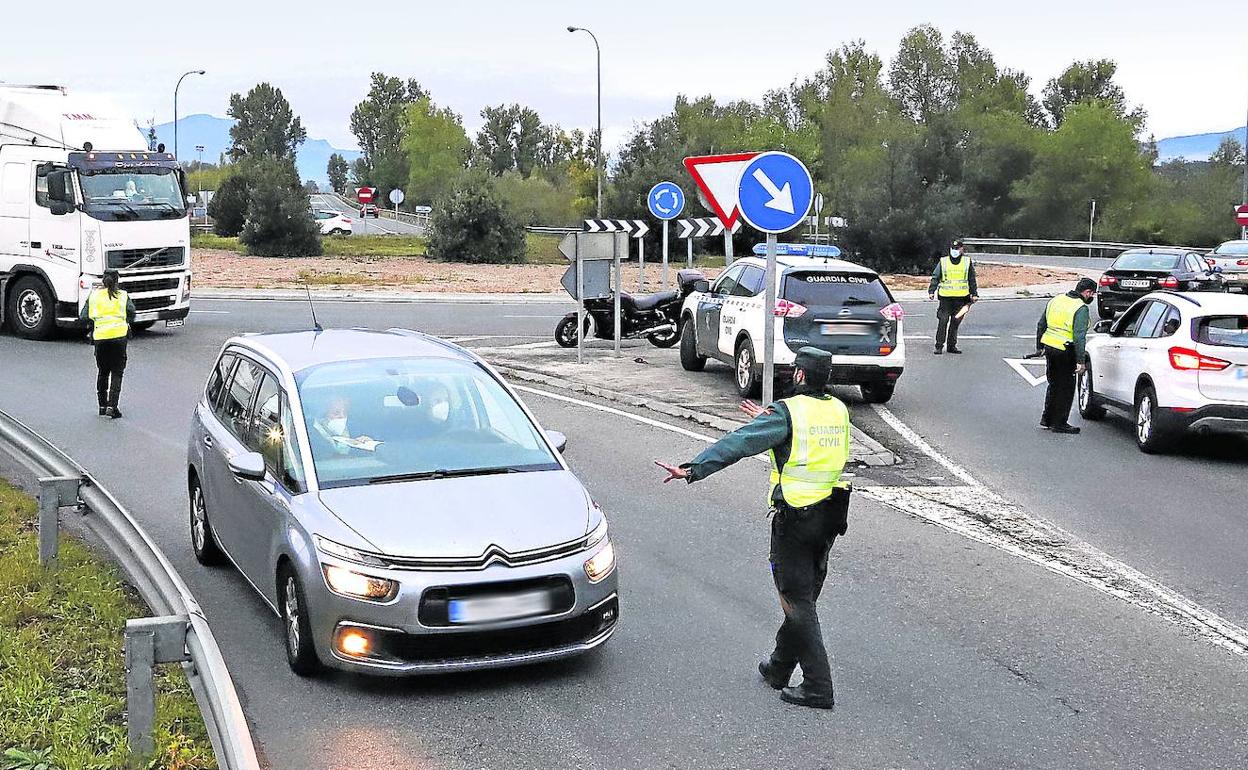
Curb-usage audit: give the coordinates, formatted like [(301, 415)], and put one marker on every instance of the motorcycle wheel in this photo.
[(664, 339), (565, 331)]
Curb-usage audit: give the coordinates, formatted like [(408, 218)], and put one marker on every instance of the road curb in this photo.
[(863, 448)]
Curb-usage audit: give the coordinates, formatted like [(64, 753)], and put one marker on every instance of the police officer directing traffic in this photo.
[(808, 438), (1062, 333), (110, 311), (953, 280)]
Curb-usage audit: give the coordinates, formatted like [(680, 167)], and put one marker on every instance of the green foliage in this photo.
[(337, 170), (206, 176), (279, 221), (379, 123), (539, 201), (472, 225), (265, 126), (214, 241), (62, 675), (228, 207), (368, 246), (1084, 82), (436, 149)]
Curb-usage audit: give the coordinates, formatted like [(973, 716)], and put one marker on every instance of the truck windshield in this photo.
[(121, 194)]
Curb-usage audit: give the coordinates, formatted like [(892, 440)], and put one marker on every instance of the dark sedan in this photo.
[(1139, 271)]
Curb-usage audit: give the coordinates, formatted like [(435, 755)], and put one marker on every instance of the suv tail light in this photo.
[(1188, 360), (1242, 262), (1108, 280), (893, 312), (787, 309), (1169, 282)]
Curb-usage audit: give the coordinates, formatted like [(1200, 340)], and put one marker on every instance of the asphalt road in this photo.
[(1046, 260), (947, 653), (365, 225)]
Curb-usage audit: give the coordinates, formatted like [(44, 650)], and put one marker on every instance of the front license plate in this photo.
[(486, 609), (860, 330), (1127, 283), (175, 322)]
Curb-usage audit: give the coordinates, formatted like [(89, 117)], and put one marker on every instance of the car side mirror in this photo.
[(1171, 327), (558, 439), (248, 466), (702, 285), (1103, 327)]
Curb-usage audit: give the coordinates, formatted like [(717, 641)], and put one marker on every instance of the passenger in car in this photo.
[(334, 428)]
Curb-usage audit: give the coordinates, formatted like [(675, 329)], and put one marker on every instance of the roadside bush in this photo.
[(279, 219), (473, 225), (228, 208)]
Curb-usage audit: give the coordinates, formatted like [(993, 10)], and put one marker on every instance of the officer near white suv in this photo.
[(1062, 333), (953, 280), (807, 438)]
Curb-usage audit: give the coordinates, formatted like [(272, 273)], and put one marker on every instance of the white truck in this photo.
[(80, 192)]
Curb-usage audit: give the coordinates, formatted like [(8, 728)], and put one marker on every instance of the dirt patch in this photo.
[(220, 269)]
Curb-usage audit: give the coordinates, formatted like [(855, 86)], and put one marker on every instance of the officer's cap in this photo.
[(813, 360)]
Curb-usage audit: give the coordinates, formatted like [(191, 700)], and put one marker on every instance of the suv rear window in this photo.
[(824, 289), (1143, 260), (1228, 331)]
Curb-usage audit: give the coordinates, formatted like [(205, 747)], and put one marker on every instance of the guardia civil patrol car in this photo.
[(821, 301)]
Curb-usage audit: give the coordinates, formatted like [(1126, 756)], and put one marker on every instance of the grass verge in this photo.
[(62, 676)]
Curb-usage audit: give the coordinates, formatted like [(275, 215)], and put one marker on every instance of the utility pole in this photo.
[(597, 161)]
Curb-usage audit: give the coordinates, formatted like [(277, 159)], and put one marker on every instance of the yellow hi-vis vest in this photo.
[(818, 453), (109, 314), (955, 280), (1059, 319)]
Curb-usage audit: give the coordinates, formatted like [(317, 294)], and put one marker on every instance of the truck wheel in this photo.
[(690, 361), (877, 392), (32, 309), (749, 382)]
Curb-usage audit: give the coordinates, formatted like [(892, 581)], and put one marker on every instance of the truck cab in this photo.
[(80, 193)]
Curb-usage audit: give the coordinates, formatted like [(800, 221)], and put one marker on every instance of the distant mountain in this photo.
[(213, 134), (1195, 147)]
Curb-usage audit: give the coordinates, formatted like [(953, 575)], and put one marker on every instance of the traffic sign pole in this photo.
[(641, 264), (769, 323), (689, 245), (580, 303), (665, 283), (616, 298)]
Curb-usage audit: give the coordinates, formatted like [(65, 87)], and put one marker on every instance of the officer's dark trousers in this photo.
[(1060, 371), (110, 364), (800, 541), (946, 322)]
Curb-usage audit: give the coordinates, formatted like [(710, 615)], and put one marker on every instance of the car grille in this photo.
[(166, 256), (464, 646), (154, 284), (144, 304), (433, 603), (493, 555)]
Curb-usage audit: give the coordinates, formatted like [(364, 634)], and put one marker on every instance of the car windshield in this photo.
[(1233, 249), (1144, 260), (1230, 331), (382, 420), (825, 289), (150, 193)]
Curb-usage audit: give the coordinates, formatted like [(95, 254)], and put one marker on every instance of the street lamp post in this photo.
[(175, 109), (598, 160), (1091, 220)]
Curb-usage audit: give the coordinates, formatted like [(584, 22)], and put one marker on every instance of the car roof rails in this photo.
[(1180, 296)]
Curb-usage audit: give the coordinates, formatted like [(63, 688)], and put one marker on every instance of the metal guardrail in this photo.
[(418, 220), (552, 230), (1032, 243), (157, 582)]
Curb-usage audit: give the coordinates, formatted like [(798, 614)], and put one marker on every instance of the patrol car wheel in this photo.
[(1088, 408), (749, 381), (877, 392), (32, 309), (690, 361)]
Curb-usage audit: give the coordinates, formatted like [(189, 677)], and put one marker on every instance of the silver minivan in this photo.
[(394, 502)]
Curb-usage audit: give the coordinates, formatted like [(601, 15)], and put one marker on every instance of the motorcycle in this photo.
[(653, 316)]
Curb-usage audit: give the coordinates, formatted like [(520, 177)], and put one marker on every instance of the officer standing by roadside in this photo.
[(110, 311), (808, 438), (1061, 334), (953, 280)]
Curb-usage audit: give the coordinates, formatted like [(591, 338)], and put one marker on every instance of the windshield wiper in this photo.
[(166, 204), (114, 202), (441, 473)]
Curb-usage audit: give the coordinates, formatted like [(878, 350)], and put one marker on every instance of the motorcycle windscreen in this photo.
[(840, 313)]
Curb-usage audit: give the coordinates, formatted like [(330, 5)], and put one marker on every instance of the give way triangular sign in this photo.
[(718, 177)]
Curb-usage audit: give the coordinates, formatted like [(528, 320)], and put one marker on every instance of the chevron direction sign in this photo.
[(701, 227), (637, 228)]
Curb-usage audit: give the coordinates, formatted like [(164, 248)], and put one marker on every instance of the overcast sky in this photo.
[(1186, 63)]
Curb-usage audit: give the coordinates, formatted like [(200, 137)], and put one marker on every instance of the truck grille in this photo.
[(164, 256), (144, 304), (154, 284)]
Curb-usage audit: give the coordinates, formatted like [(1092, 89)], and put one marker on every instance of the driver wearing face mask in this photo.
[(334, 428), (438, 405)]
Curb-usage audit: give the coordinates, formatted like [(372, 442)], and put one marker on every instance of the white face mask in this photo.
[(954, 253), (440, 411), (337, 426)]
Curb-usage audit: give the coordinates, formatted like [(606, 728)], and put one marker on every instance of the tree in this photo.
[(921, 78), (436, 149), (473, 225), (279, 222), (337, 169), (379, 123), (228, 207), (265, 126), (494, 139), (360, 174), (1085, 82)]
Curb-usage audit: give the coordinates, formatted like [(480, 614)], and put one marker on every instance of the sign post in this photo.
[(396, 197), (580, 301), (589, 274), (774, 193), (818, 211), (666, 201), (616, 294), (365, 195), (1241, 218)]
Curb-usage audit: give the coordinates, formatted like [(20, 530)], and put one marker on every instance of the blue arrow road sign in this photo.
[(666, 200), (775, 192)]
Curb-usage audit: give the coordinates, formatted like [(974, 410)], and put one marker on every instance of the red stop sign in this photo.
[(366, 194), (1241, 215)]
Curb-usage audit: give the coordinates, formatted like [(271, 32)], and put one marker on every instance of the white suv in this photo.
[(830, 304), (1175, 362), (333, 222)]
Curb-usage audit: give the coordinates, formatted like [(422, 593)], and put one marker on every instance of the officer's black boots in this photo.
[(774, 677), (114, 413), (800, 696)]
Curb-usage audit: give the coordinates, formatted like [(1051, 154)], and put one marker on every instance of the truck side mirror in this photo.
[(60, 192)]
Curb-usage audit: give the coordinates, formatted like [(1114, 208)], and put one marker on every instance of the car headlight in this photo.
[(347, 553), (601, 564), (356, 586)]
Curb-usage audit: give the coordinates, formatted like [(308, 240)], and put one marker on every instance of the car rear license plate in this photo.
[(485, 609), (175, 322), (1128, 283), (857, 329)]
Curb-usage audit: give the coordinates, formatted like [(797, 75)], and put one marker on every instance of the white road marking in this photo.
[(917, 441), (1020, 365), (534, 316), (212, 312), (535, 345), (918, 336), (618, 413), (977, 337), (1024, 336)]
